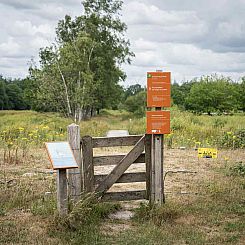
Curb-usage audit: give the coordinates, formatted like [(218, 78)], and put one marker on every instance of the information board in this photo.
[(207, 153), (61, 155), (158, 122), (158, 89)]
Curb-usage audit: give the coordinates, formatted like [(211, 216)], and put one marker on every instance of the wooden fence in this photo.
[(102, 183), (146, 149)]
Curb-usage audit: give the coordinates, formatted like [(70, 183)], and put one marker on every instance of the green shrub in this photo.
[(238, 169), (233, 139), (88, 211)]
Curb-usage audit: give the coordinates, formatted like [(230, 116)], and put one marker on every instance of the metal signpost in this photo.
[(62, 158), (158, 124)]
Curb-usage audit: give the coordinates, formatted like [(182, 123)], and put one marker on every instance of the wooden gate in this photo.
[(140, 153)]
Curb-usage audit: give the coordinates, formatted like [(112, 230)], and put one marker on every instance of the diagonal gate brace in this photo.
[(122, 166)]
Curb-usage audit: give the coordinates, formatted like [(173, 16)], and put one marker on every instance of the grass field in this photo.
[(203, 208)]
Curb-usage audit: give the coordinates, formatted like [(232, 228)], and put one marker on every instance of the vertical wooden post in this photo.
[(148, 141), (87, 164), (75, 175), (62, 200), (157, 190)]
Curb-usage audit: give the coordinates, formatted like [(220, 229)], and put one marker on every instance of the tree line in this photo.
[(208, 94), (12, 94)]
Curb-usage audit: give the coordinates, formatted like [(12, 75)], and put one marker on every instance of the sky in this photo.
[(190, 38)]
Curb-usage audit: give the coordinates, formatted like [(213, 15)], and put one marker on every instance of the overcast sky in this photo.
[(190, 38)]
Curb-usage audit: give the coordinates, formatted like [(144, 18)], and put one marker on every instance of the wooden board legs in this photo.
[(62, 198)]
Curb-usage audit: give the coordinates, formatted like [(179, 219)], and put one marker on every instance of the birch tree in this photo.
[(80, 72)]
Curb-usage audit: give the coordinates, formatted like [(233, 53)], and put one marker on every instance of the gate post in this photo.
[(148, 161), (87, 164), (75, 175), (154, 168), (157, 185)]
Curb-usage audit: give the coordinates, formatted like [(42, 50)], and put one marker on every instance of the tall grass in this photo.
[(20, 130)]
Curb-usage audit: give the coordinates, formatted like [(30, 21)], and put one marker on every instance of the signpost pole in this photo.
[(62, 198), (157, 191), (158, 124), (62, 158)]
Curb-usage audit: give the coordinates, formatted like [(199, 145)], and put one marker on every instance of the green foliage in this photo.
[(3, 95), (238, 169), (82, 224), (89, 210), (157, 215), (180, 92), (132, 90), (80, 74), (12, 94), (136, 103), (233, 139), (210, 94)]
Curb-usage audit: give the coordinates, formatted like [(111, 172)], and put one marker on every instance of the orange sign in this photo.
[(158, 89), (158, 122)]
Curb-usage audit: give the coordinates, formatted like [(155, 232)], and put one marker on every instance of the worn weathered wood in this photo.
[(116, 141), (114, 159), (122, 166), (148, 139), (124, 196), (74, 175), (125, 178), (156, 178), (62, 198), (87, 164), (158, 168)]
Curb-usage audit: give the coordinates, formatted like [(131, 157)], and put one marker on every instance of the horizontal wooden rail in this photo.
[(125, 178), (115, 141), (124, 196), (114, 159)]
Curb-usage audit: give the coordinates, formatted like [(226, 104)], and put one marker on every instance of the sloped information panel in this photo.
[(158, 89), (61, 155), (158, 122)]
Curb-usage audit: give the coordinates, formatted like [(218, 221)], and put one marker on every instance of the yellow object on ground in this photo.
[(207, 153)]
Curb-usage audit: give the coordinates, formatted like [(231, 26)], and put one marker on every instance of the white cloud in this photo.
[(189, 38), (9, 48), (27, 29)]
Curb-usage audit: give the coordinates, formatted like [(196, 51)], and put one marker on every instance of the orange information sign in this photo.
[(158, 89), (158, 122)]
